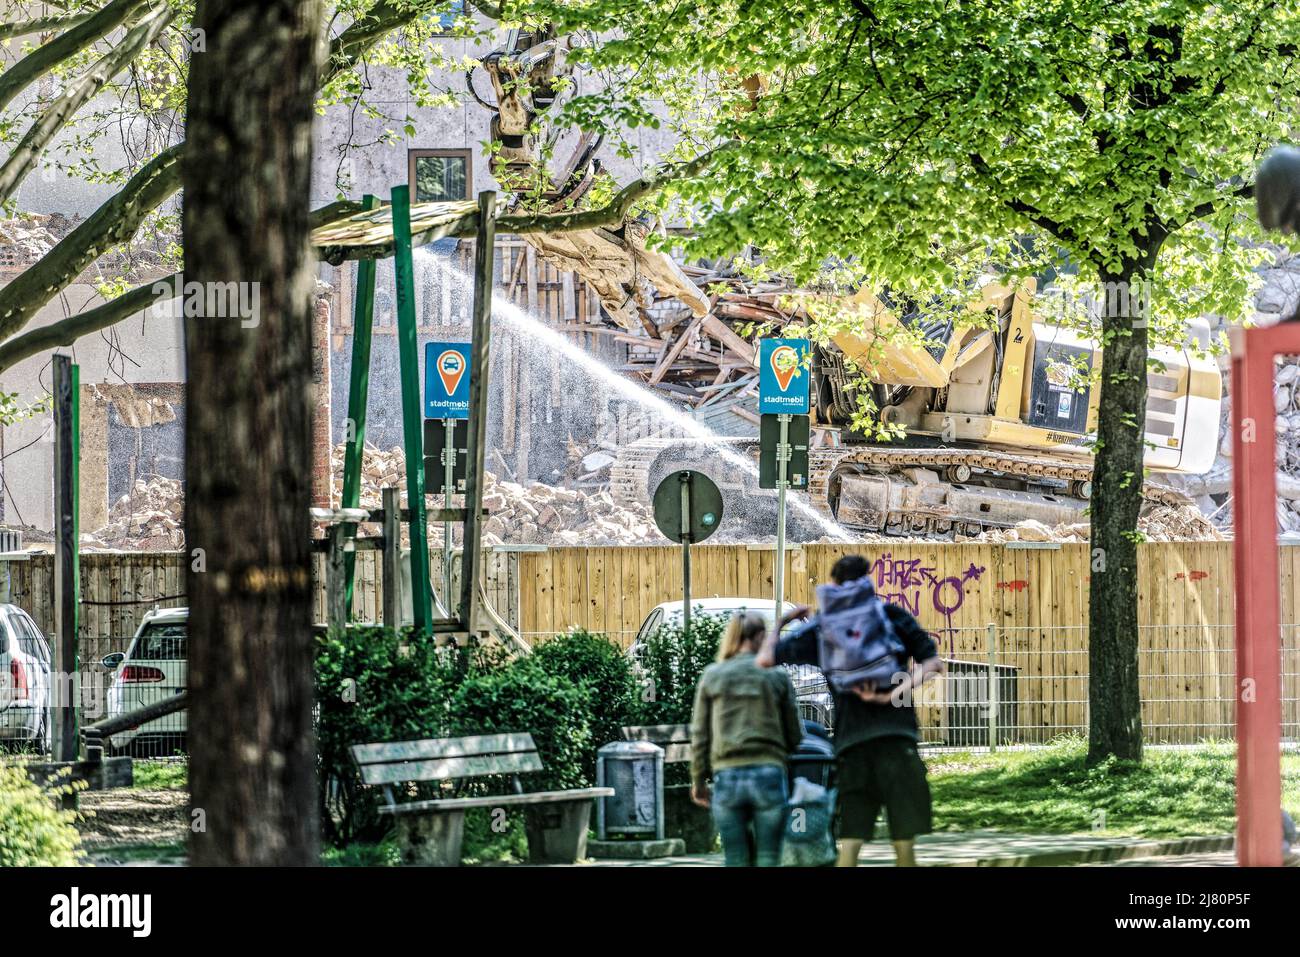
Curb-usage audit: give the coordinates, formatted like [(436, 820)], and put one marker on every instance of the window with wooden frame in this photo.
[(440, 175)]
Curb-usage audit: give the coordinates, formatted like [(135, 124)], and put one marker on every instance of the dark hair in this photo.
[(849, 569)]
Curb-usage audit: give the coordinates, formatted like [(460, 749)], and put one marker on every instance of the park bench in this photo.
[(431, 832)]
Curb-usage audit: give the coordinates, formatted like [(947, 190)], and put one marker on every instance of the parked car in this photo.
[(154, 666), (25, 664), (815, 703)]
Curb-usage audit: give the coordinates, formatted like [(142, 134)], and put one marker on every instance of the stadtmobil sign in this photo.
[(446, 380), (783, 376)]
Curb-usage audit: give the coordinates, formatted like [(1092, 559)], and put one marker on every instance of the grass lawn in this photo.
[(1183, 792), (160, 775)]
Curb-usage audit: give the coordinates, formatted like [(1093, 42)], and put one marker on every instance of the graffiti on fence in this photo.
[(908, 583)]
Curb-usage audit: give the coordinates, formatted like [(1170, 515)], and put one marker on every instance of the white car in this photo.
[(154, 666), (815, 702), (24, 681)]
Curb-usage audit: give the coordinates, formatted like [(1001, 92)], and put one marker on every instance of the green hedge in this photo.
[(378, 684), (670, 668), (33, 831), (592, 661), (572, 694)]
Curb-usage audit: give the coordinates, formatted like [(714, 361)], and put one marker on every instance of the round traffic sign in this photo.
[(692, 496)]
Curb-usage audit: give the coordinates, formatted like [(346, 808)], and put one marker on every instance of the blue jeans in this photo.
[(749, 810)]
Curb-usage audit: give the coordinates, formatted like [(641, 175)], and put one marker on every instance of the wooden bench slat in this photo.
[(437, 805), (675, 739), (676, 753), (447, 769), (469, 746), (659, 734)]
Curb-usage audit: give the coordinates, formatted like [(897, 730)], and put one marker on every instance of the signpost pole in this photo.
[(358, 396), (782, 480), (686, 549), (409, 363), (448, 477), (63, 702), (480, 338)]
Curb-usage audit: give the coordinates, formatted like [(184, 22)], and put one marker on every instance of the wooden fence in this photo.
[(1024, 609), (950, 588)]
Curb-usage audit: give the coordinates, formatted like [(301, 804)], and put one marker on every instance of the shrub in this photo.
[(522, 697), (33, 832), (378, 684), (592, 661), (670, 667)]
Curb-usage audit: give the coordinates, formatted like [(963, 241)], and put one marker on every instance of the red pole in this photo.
[(1258, 632)]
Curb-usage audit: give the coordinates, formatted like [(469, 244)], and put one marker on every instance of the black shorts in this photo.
[(888, 773)]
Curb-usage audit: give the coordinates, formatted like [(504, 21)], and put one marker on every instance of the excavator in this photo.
[(992, 409)]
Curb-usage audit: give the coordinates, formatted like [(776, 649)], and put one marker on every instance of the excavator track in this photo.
[(824, 462), (641, 465)]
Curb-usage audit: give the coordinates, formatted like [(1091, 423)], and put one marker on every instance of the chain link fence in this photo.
[(1024, 686)]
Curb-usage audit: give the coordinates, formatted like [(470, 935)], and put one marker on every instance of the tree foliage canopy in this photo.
[(894, 134)]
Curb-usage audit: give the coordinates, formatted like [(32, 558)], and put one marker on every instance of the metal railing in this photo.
[(1027, 685), (1039, 691)]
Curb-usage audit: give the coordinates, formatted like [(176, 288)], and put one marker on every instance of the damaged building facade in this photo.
[(554, 419)]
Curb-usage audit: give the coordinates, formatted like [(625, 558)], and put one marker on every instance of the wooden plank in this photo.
[(444, 805), (723, 333), (468, 746), (448, 769), (672, 352)]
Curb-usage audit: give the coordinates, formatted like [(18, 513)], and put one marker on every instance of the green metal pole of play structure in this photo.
[(412, 425), (62, 719), (358, 394)]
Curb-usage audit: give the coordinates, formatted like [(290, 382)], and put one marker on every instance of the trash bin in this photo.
[(635, 770), (814, 759)]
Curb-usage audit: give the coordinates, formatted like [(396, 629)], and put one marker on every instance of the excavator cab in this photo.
[(997, 410)]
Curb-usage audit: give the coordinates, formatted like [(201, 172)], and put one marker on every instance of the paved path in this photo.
[(1000, 849)]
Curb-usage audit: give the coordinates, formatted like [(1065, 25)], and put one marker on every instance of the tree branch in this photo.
[(117, 220), (616, 211), (41, 25), (114, 222), (442, 226), (1210, 206), (69, 330), (44, 58), (25, 154)]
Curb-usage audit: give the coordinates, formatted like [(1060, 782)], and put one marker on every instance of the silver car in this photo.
[(154, 666), (24, 681)]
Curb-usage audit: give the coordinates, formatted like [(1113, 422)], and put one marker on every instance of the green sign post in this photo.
[(687, 509), (363, 318), (409, 361)]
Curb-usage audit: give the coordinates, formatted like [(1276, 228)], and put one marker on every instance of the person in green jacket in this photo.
[(744, 725)]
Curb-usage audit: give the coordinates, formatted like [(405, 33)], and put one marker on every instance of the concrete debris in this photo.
[(150, 517), (532, 514), (1159, 523), (1214, 489)]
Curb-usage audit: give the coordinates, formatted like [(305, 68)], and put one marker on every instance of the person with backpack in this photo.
[(873, 655), (744, 725)]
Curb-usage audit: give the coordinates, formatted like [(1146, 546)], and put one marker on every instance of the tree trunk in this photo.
[(1114, 708), (246, 172)]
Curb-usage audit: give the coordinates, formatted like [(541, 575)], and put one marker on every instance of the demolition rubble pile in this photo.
[(150, 517), (1159, 523), (519, 514), (1216, 486)]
